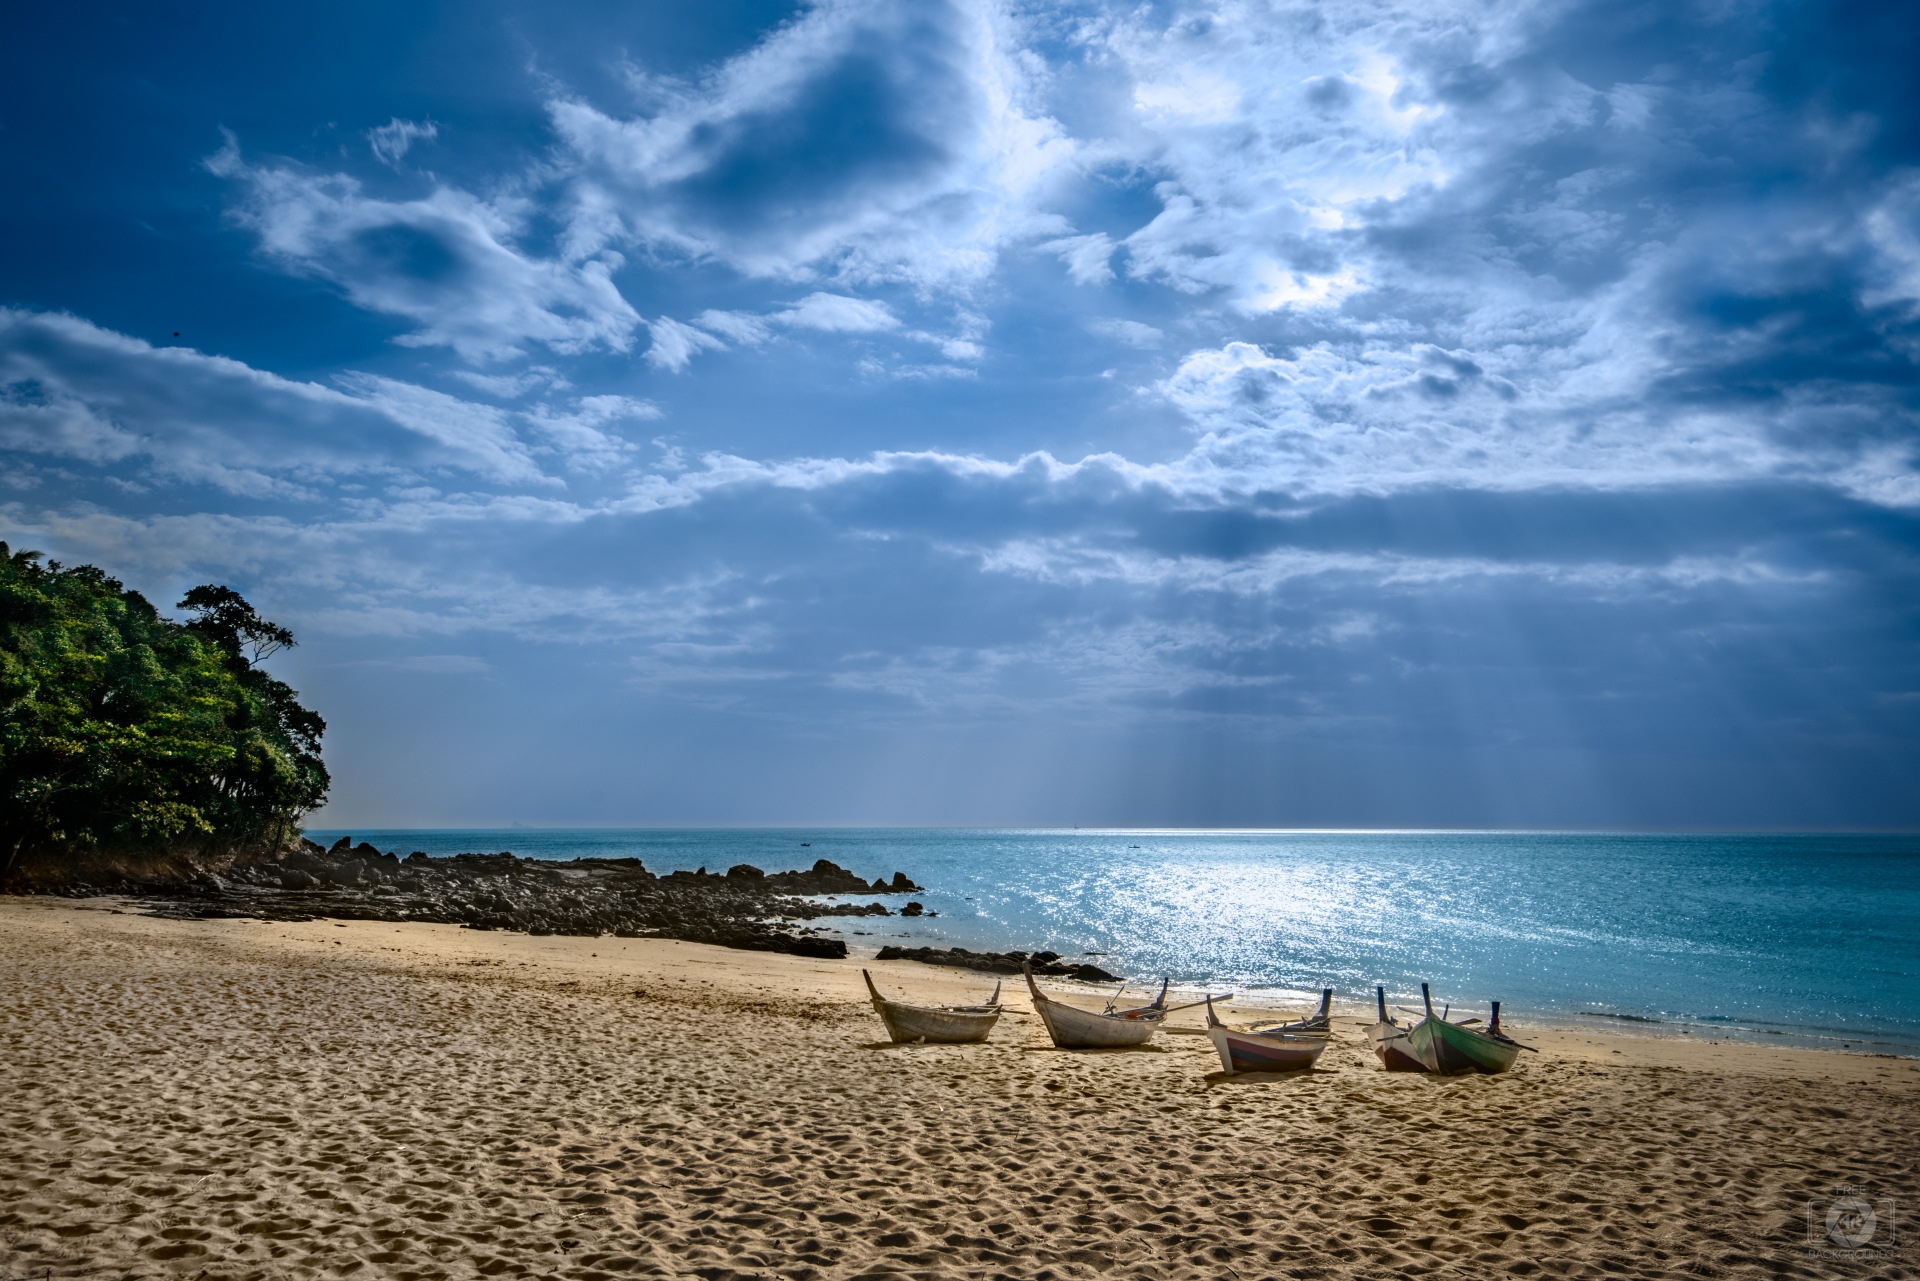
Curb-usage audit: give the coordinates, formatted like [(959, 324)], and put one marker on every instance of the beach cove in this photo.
[(239, 1098), (1809, 939)]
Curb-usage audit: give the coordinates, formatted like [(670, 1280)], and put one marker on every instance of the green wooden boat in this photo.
[(1448, 1047)]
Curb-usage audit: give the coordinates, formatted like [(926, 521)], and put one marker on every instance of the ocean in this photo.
[(1784, 938)]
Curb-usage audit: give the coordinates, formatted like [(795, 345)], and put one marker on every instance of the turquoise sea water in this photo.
[(1809, 938)]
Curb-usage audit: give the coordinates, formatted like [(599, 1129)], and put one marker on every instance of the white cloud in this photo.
[(514, 386), (446, 262), (1332, 421), (836, 313), (1273, 287), (1088, 258), (391, 141), (480, 434), (735, 326), (580, 435), (70, 390), (1268, 131), (1325, 420), (1893, 229), (676, 344), (960, 349), (1377, 74), (945, 163), (911, 371), (1197, 95)]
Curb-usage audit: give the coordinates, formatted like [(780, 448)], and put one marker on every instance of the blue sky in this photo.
[(1211, 414)]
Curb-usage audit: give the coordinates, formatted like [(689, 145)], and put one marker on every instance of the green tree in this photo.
[(125, 732)]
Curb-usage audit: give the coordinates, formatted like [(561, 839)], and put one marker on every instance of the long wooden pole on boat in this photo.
[(1205, 1000), (1494, 1028)]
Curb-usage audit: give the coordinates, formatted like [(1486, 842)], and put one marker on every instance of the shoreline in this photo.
[(1780, 994), (232, 1098), (932, 984), (1632, 1027), (938, 984)]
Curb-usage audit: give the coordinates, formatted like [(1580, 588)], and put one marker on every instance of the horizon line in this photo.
[(1679, 830)]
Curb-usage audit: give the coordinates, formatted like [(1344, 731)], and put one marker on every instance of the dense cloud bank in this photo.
[(1347, 414)]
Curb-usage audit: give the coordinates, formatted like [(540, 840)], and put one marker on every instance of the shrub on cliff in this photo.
[(122, 732)]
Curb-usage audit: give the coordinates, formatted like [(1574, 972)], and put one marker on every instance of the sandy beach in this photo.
[(231, 1098)]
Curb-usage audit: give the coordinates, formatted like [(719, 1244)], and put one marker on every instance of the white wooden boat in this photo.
[(1269, 1051), (1075, 1029), (943, 1024)]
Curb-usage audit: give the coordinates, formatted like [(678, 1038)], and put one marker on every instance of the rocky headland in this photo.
[(743, 907)]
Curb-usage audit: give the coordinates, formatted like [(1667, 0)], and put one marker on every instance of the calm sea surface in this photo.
[(1811, 938)]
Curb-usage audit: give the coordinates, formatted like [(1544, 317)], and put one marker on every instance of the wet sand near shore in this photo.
[(229, 1099)]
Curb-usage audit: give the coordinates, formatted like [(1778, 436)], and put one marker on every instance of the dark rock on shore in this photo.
[(830, 878), (746, 908), (1043, 963)]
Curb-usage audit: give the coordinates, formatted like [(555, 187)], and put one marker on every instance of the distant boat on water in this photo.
[(935, 1024), (1451, 1047)]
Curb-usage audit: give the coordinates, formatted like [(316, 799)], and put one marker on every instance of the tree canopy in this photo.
[(123, 731)]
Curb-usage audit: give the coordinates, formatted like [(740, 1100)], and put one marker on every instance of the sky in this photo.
[(1204, 414)]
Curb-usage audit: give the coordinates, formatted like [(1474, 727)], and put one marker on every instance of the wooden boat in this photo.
[(943, 1024), (1270, 1051), (1390, 1040), (1448, 1047), (1321, 1021), (1075, 1029)]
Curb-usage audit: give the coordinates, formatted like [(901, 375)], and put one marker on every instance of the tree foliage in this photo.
[(121, 730)]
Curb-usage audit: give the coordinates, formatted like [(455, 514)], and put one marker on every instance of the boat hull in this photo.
[(1076, 1029), (1447, 1048), (918, 1023), (1391, 1047), (936, 1026), (1252, 1052)]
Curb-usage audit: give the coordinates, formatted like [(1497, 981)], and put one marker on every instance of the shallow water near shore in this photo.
[(1787, 938)]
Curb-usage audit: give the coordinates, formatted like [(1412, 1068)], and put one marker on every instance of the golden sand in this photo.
[(228, 1099)]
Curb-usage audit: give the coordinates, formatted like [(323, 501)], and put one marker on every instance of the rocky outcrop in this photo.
[(1044, 963), (745, 908), (830, 878)]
